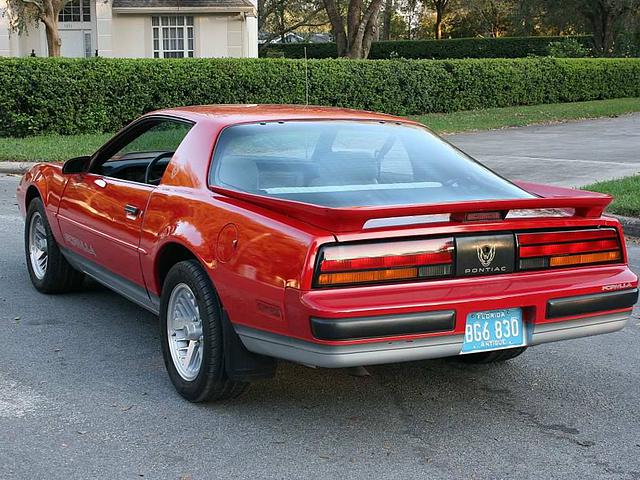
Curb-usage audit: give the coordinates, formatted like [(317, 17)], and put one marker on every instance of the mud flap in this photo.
[(242, 365)]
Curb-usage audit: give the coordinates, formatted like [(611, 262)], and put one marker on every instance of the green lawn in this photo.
[(626, 195), (50, 147), (57, 147), (520, 116)]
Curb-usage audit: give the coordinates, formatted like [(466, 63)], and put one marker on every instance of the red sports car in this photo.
[(327, 237)]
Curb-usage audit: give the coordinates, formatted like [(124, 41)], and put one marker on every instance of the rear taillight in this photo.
[(570, 248), (384, 262)]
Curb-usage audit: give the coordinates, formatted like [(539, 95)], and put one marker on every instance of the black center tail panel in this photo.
[(485, 255)]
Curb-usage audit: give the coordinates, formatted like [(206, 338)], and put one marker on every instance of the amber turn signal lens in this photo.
[(367, 276), (584, 258)]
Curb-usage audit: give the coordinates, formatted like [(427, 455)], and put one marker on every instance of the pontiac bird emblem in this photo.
[(486, 254)]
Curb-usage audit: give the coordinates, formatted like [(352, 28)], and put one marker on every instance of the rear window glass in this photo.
[(351, 163)]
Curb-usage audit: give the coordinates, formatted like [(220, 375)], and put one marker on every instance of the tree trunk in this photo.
[(368, 37), (603, 32), (386, 23), (438, 25), (608, 36), (354, 14), (53, 35), (440, 7), (365, 29), (337, 27)]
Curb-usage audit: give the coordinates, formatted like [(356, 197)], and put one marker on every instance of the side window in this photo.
[(144, 156), (165, 136)]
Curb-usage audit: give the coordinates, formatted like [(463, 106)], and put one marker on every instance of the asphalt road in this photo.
[(568, 154), (84, 394)]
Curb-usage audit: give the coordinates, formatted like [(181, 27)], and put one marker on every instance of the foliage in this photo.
[(568, 48), (506, 47), (279, 17), (54, 147), (605, 19), (68, 96), (625, 192)]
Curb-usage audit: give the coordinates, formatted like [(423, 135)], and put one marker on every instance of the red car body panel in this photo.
[(261, 252)]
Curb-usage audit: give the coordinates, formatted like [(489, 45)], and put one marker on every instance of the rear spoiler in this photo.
[(347, 219)]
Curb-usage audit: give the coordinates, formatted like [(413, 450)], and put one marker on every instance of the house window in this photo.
[(87, 44), (75, 11), (172, 36)]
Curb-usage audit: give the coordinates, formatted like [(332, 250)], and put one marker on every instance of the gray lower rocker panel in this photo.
[(330, 356), (124, 287)]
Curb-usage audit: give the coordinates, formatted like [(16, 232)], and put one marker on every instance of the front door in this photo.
[(102, 211), (101, 219)]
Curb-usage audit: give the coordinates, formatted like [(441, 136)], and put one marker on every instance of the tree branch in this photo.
[(302, 23)]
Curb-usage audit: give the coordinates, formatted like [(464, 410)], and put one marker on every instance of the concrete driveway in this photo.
[(569, 154)]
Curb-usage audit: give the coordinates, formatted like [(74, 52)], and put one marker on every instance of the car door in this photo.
[(102, 210)]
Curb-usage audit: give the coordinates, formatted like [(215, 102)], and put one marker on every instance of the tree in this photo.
[(389, 10), (605, 18), (412, 11), (440, 7), (354, 33), (279, 17), (25, 13), (496, 15)]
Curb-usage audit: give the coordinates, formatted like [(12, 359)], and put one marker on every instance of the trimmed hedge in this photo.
[(504, 47), (68, 96)]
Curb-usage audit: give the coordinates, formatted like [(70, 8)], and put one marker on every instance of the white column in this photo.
[(103, 28), (251, 33), (251, 36)]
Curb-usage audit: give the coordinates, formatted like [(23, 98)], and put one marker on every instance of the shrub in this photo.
[(568, 48), (68, 96), (504, 47)]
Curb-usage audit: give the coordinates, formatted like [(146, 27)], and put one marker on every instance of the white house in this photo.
[(144, 28)]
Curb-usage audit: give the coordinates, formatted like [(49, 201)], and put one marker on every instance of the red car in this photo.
[(327, 237)]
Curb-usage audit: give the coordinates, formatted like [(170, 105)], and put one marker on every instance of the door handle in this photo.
[(131, 211)]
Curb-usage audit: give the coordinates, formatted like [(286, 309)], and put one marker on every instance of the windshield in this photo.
[(351, 163)]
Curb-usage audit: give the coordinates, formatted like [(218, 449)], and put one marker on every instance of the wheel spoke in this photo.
[(184, 331), (193, 345), (40, 230)]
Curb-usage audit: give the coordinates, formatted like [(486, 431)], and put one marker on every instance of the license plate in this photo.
[(493, 330)]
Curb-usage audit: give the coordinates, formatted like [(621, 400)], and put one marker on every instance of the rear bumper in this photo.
[(439, 321), (339, 356)]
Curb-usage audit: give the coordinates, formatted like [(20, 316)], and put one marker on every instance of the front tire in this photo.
[(48, 269), (192, 338)]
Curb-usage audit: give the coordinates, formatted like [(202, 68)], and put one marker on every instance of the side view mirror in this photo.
[(76, 165)]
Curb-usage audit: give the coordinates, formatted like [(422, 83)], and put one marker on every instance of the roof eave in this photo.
[(147, 10)]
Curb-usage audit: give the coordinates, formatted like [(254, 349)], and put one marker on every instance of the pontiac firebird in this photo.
[(323, 236)]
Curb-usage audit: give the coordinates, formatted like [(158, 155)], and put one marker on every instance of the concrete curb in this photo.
[(630, 225), (15, 167)]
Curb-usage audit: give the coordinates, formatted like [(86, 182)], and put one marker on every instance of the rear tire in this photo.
[(192, 337), (48, 269), (491, 357)]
